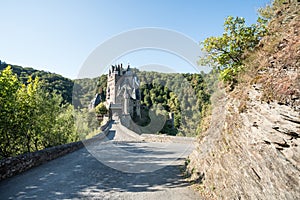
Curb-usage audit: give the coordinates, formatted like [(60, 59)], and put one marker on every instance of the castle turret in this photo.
[(122, 97)]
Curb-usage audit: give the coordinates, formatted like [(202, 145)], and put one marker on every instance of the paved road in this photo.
[(121, 174)]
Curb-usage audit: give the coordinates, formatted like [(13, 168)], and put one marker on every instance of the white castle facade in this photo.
[(122, 94)]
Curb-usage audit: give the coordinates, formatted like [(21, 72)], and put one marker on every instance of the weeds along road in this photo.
[(119, 167)]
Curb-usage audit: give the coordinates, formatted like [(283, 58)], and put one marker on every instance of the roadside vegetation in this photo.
[(37, 110), (33, 118)]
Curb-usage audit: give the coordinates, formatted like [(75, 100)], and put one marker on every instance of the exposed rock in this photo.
[(252, 148), (242, 161)]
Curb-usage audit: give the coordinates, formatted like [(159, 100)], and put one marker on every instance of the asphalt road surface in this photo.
[(121, 166)]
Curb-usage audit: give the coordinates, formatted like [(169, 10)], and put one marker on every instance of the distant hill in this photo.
[(85, 89), (78, 92), (186, 95), (52, 81)]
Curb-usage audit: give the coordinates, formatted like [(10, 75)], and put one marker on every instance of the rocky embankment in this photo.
[(255, 155), (252, 148)]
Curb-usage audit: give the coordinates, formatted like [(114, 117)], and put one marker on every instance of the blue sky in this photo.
[(59, 35)]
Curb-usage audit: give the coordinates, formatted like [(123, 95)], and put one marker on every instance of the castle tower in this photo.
[(122, 94), (112, 79)]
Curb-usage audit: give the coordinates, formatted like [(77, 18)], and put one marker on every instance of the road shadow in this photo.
[(80, 175), (111, 134)]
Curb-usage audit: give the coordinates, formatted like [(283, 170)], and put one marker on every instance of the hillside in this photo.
[(186, 95), (252, 148), (52, 81), (84, 90)]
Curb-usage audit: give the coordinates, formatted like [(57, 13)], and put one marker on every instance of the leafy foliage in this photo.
[(184, 95), (226, 52), (51, 82), (85, 89), (79, 92), (101, 109), (269, 11), (30, 117), (34, 117), (85, 122)]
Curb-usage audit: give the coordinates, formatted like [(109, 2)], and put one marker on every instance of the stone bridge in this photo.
[(122, 165)]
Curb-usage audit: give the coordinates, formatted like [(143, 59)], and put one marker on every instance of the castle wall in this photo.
[(120, 79)]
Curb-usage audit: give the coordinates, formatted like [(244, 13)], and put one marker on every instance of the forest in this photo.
[(40, 109), (31, 117), (186, 96), (51, 81)]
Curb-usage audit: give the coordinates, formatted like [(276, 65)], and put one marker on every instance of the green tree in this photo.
[(64, 127), (226, 52), (42, 119), (51, 81), (269, 11), (101, 109), (85, 122), (28, 113), (9, 135), (30, 117)]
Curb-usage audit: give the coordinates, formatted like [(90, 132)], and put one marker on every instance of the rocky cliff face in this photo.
[(252, 148)]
